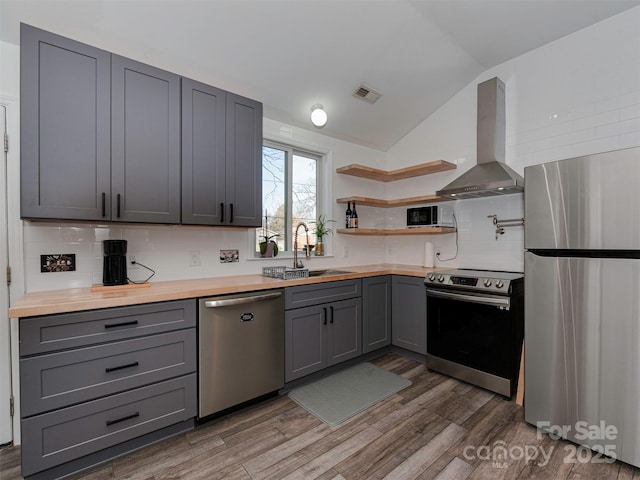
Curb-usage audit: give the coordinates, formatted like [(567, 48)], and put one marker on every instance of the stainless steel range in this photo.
[(475, 326)]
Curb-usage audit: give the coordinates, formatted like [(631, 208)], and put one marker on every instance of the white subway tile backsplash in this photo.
[(596, 146), (619, 128), (603, 118), (619, 101), (632, 111), (630, 140)]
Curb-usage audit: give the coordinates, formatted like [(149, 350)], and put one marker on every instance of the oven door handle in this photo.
[(500, 302)]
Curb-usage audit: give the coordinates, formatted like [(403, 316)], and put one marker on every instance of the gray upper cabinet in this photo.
[(221, 157), (409, 313), (244, 161), (145, 143), (107, 138), (203, 153), (65, 116)]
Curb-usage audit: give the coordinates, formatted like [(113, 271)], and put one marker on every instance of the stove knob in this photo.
[(499, 284), (441, 278), (431, 277), (487, 283)]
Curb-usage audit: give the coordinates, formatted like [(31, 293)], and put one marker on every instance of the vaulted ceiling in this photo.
[(291, 54)]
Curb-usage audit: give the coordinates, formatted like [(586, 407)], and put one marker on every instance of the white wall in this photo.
[(575, 96)]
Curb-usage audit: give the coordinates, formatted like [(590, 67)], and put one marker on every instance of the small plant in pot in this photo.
[(268, 248), (321, 230)]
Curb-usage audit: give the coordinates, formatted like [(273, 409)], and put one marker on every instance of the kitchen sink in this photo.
[(326, 273)]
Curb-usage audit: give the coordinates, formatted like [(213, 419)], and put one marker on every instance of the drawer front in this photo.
[(80, 329), (60, 379), (63, 435), (307, 295)]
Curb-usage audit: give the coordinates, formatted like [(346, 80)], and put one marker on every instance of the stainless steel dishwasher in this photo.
[(241, 348)]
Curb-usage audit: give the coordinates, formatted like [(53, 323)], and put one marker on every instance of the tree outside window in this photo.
[(289, 193)]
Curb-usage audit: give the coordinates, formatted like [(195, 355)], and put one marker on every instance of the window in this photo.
[(289, 194)]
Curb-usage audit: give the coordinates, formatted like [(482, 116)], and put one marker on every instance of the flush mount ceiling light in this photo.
[(318, 116)]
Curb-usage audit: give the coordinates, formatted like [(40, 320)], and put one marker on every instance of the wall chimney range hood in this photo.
[(491, 176)]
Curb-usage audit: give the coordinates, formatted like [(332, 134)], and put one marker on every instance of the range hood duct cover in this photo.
[(491, 176)]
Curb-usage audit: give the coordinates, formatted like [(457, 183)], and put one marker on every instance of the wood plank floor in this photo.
[(433, 429)]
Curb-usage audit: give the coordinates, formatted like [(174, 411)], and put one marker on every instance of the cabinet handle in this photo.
[(122, 324), (118, 205), (231, 215), (221, 212), (104, 204), (122, 419), (324, 322), (331, 321), (121, 367)]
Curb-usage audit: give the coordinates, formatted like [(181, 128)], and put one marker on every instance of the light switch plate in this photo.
[(229, 256)]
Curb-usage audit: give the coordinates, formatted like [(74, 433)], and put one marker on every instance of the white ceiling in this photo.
[(291, 54)]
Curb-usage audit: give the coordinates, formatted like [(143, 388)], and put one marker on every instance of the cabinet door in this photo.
[(305, 341), (244, 162), (203, 153), (145, 148), (65, 128), (376, 313), (344, 334), (409, 313)]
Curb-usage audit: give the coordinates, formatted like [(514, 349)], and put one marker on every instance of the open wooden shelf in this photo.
[(399, 202), (400, 174), (398, 231)]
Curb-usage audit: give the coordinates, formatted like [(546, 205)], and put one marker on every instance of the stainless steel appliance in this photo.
[(241, 349), (491, 176), (430, 216), (475, 322), (582, 312)]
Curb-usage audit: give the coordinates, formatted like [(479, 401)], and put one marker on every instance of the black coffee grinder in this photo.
[(114, 270)]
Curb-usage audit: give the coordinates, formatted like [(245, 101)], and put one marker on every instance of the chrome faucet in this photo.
[(296, 262)]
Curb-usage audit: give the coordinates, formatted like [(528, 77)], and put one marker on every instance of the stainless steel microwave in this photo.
[(430, 216)]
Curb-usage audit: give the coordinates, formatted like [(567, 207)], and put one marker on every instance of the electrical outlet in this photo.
[(194, 258), (133, 259)]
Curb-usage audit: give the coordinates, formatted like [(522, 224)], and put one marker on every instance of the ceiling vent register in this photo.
[(367, 93)]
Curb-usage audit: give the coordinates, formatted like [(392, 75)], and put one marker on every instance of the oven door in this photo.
[(471, 329)]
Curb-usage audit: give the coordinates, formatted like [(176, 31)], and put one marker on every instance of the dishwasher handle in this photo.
[(230, 302)]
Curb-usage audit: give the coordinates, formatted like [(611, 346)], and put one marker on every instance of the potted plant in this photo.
[(268, 248), (321, 230)]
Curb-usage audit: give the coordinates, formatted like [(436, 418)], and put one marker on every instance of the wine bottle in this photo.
[(348, 216), (354, 216)]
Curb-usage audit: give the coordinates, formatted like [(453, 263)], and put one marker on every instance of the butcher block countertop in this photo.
[(77, 299)]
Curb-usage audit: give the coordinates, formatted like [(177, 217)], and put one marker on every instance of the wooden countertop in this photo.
[(77, 299)]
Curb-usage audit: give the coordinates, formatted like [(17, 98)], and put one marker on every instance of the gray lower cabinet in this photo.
[(409, 313), (93, 380), (376, 313), (322, 334), (221, 157)]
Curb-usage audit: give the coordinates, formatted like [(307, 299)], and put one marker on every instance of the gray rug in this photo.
[(340, 396)]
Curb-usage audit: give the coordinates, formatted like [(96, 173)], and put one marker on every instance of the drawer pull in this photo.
[(122, 324), (121, 367), (122, 419)]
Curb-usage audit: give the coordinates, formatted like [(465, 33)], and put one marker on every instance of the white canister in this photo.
[(429, 254)]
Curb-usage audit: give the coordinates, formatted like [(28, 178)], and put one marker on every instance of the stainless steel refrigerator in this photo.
[(582, 301)]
